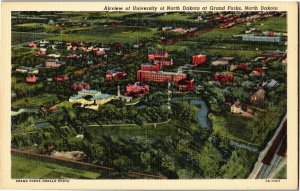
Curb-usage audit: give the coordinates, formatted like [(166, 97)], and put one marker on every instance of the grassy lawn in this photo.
[(27, 167), (125, 36), (34, 101), (277, 24), (22, 37), (69, 108), (244, 54)]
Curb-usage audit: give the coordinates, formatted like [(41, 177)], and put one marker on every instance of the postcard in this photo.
[(149, 95)]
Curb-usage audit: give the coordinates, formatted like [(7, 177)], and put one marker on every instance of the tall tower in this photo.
[(169, 96), (118, 92)]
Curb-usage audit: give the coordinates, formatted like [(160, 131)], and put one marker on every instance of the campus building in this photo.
[(153, 76)]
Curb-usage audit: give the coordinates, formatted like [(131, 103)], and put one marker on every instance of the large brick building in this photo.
[(152, 76)]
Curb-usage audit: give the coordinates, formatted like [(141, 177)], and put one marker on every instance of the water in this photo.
[(203, 112), (41, 124)]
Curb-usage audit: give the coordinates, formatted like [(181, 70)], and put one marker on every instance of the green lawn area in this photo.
[(244, 54), (277, 24), (125, 36), (69, 107), (22, 37), (27, 167), (34, 101)]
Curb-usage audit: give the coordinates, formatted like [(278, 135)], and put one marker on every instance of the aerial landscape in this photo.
[(148, 95)]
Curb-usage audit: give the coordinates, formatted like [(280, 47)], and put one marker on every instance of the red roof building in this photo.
[(186, 85), (258, 71), (32, 45), (115, 74), (31, 79), (198, 59), (137, 89), (80, 86), (40, 53), (151, 67), (153, 76), (157, 55), (221, 77), (51, 63), (61, 78)]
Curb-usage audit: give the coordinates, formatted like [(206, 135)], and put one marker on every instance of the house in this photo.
[(257, 71), (32, 45), (53, 63), (138, 89), (221, 77), (27, 70), (31, 79), (258, 97), (198, 59), (115, 74), (220, 63), (80, 86), (40, 53), (61, 78), (242, 66), (186, 85), (270, 84), (236, 107), (91, 99)]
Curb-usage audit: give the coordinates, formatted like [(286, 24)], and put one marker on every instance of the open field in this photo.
[(34, 101), (126, 37), (26, 167), (22, 37)]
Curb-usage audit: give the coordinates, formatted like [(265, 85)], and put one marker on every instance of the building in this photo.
[(32, 45), (198, 59), (123, 98), (91, 99), (258, 97), (31, 79), (255, 38), (157, 55), (138, 89), (220, 63), (61, 78), (221, 77), (236, 107), (40, 53), (257, 71), (186, 85), (53, 63), (270, 84), (152, 76), (151, 67), (80, 86), (115, 74), (164, 62), (27, 70)]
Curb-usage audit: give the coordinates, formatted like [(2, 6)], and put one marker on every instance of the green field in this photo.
[(125, 36), (27, 167), (22, 37), (34, 101)]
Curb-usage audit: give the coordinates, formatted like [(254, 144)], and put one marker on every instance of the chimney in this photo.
[(118, 92)]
